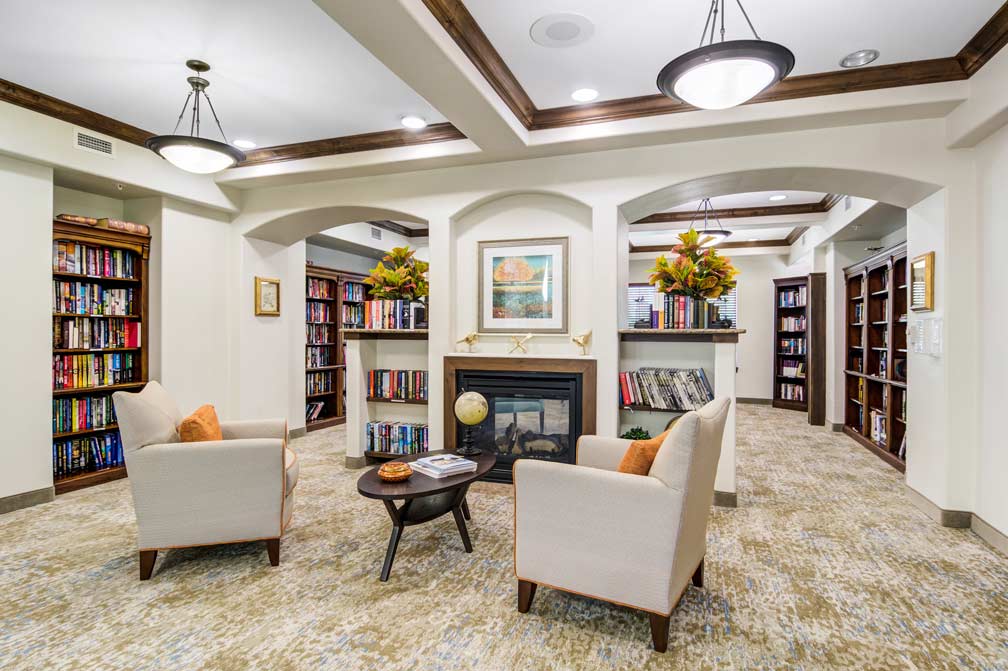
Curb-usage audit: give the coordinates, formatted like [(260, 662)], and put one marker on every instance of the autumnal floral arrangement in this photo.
[(696, 271), (399, 276)]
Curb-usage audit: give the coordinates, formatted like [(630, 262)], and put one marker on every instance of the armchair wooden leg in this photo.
[(526, 592), (698, 575), (147, 558), (273, 549), (659, 631)]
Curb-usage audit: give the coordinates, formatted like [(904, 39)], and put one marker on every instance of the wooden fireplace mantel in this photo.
[(587, 367)]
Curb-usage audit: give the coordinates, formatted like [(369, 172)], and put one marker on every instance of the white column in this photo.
[(610, 249), (724, 385), (361, 356)]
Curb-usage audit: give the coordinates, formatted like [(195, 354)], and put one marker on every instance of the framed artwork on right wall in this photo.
[(922, 283)]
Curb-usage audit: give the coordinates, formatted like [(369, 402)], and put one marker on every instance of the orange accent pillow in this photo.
[(641, 454), (200, 426)]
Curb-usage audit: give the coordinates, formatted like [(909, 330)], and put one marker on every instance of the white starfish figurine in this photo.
[(518, 343), (471, 339), (582, 342)]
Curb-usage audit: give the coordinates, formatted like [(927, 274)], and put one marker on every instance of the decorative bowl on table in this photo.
[(395, 471)]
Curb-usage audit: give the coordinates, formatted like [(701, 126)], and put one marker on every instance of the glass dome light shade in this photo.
[(195, 154)]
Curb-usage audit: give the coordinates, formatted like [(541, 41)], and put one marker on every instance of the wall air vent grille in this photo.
[(376, 233), (93, 143), (847, 203)]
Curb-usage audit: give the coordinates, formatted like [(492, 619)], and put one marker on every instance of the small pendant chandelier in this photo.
[(725, 74), (710, 218), (193, 153)]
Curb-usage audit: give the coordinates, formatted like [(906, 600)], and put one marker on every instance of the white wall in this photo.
[(26, 197), (340, 260), (194, 307), (992, 169), (71, 201)]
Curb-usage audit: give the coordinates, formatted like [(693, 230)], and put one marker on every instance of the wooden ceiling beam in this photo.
[(824, 205), (986, 43)]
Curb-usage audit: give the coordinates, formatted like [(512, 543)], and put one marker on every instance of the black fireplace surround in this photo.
[(532, 415)]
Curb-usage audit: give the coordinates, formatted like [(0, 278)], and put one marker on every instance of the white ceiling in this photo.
[(646, 239), (754, 199), (635, 38), (282, 70)]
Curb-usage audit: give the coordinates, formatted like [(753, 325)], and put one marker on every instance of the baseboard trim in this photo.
[(9, 504), (954, 519), (992, 536), (297, 433), (355, 462), (726, 499), (754, 401)]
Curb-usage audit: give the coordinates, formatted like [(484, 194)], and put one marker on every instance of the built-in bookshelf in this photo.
[(876, 354), (799, 356), (100, 307), (333, 302), (387, 391)]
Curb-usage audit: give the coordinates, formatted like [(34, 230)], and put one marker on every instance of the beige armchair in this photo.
[(633, 540), (234, 490)]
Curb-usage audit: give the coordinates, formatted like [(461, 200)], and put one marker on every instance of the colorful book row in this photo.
[(90, 333), (354, 291), (353, 314), (666, 388), (318, 288), (69, 257), (792, 345), (84, 455), (82, 414), (396, 437), (792, 298), (399, 314), (320, 334), (316, 357), (317, 313), (89, 371), (83, 298), (792, 392), (318, 383), (398, 385)]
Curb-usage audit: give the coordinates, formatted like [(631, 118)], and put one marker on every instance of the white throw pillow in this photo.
[(142, 422)]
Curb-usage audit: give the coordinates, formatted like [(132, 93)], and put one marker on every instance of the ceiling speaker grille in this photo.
[(93, 143)]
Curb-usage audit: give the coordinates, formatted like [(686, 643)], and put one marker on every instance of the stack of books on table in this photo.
[(443, 465)]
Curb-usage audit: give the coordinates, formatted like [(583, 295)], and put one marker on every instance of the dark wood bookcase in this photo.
[(138, 247), (799, 354), (876, 354), (337, 292)]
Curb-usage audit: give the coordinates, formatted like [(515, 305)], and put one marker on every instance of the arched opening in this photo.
[(296, 226)]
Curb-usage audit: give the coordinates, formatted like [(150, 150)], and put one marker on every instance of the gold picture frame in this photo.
[(499, 296), (267, 296), (921, 281)]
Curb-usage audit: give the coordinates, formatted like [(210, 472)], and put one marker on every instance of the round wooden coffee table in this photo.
[(424, 499)]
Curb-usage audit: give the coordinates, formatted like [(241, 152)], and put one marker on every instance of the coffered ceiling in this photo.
[(282, 70), (632, 40)]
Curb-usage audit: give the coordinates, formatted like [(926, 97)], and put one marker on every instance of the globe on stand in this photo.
[(471, 408)]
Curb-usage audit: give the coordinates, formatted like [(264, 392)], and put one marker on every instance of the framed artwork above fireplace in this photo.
[(523, 286)]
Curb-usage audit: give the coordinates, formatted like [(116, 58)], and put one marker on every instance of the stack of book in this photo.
[(82, 455), (70, 257), (399, 314), (792, 392), (317, 313), (82, 414), (666, 388), (673, 311), (398, 385), (794, 298), (313, 411), (396, 437), (319, 288), (81, 298), (318, 383), (85, 371), (353, 314), (791, 368), (353, 291), (89, 333), (443, 465)]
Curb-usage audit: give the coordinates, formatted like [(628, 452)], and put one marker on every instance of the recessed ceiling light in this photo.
[(561, 30), (244, 144), (778, 196), (859, 58), (585, 95), (413, 122)]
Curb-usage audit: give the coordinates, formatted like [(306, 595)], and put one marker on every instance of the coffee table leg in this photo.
[(465, 509), (460, 522), (397, 528)]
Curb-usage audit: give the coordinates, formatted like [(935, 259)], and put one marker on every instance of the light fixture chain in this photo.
[(723, 12), (755, 34), (182, 113), (192, 121), (212, 111)]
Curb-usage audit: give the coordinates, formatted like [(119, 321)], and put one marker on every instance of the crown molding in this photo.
[(824, 205), (22, 96), (404, 231), (748, 244), (987, 42), (385, 139)]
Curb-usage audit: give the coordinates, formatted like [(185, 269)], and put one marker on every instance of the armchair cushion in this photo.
[(201, 426), (143, 422), (641, 454)]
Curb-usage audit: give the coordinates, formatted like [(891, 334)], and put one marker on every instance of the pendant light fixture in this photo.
[(710, 219), (193, 153), (719, 75)]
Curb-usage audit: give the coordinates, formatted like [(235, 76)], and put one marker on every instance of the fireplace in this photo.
[(538, 407)]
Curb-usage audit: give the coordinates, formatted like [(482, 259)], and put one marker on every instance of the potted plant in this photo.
[(696, 271), (399, 276)]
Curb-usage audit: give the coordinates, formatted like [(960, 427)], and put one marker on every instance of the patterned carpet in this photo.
[(824, 565)]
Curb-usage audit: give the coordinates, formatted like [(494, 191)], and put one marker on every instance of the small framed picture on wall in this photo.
[(523, 286), (267, 296), (922, 283)]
